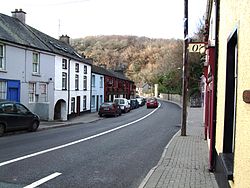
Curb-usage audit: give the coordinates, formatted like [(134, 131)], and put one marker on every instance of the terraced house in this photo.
[(228, 91), (108, 85), (45, 74)]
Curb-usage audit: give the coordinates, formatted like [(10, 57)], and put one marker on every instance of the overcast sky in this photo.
[(80, 18)]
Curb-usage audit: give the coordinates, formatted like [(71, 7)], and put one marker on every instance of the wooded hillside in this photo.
[(141, 58)]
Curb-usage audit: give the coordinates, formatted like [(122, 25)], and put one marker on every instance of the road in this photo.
[(112, 152)]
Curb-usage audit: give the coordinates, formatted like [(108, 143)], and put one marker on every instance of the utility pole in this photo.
[(185, 71)]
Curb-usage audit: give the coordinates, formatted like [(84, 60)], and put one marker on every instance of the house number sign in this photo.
[(197, 47)]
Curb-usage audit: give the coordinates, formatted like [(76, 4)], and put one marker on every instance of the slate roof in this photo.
[(120, 75), (14, 31), (57, 46), (102, 71)]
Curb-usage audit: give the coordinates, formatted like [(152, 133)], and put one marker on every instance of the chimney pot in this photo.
[(64, 38), (19, 14)]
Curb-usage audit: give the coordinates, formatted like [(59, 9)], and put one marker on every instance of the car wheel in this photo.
[(34, 126), (1, 129)]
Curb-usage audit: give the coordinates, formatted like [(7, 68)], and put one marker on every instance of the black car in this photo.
[(134, 103), (15, 116)]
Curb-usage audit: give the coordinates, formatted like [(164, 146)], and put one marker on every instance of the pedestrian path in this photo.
[(86, 118), (184, 162)]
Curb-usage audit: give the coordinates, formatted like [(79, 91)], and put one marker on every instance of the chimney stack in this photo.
[(19, 14), (64, 38)]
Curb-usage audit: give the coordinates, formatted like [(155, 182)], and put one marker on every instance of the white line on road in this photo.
[(75, 142), (43, 180)]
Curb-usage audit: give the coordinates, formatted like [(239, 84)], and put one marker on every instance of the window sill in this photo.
[(64, 89), (227, 160), (36, 74), (4, 71)]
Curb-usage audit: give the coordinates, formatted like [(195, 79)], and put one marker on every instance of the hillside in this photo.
[(142, 59)]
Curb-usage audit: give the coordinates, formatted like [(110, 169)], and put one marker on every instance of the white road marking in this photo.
[(74, 142), (43, 180)]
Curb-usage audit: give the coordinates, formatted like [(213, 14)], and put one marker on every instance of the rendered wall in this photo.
[(235, 14)]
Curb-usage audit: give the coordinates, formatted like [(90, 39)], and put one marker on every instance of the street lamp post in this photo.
[(185, 71)]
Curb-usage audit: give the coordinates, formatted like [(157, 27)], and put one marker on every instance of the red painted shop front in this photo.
[(209, 102)]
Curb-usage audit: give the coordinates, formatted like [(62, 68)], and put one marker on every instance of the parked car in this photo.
[(15, 116), (152, 103), (123, 103), (134, 103), (109, 109), (141, 101)]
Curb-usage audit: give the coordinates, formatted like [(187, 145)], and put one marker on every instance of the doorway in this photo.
[(78, 102), (60, 112)]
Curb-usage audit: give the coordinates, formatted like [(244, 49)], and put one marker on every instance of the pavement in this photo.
[(85, 118), (184, 162)]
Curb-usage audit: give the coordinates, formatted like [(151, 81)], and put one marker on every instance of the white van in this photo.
[(123, 103)]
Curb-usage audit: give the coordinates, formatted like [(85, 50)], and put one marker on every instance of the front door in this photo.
[(78, 105), (97, 103), (13, 94)]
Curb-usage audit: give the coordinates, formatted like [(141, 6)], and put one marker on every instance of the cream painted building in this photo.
[(232, 59)]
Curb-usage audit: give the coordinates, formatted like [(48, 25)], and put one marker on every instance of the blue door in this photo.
[(13, 94)]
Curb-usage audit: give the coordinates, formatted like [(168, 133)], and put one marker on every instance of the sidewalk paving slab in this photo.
[(85, 118), (184, 162)]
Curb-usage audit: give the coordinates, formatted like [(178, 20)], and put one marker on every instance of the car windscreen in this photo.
[(106, 104)]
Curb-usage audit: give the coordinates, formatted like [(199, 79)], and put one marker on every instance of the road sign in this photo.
[(198, 47)]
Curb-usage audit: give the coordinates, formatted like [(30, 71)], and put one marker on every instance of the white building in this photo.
[(97, 94), (45, 74)]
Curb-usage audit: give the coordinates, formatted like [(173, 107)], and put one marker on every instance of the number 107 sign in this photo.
[(198, 47)]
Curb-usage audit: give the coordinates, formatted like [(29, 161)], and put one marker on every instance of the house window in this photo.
[(32, 92), (77, 82), (35, 62), (64, 81), (101, 82), (3, 90), (64, 63), (85, 69), (93, 101), (93, 80), (84, 102), (85, 83), (44, 92), (73, 103), (77, 67), (2, 60)]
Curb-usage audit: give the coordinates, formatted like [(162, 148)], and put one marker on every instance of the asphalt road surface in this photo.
[(112, 152)]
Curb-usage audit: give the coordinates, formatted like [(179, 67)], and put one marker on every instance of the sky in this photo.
[(81, 18)]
